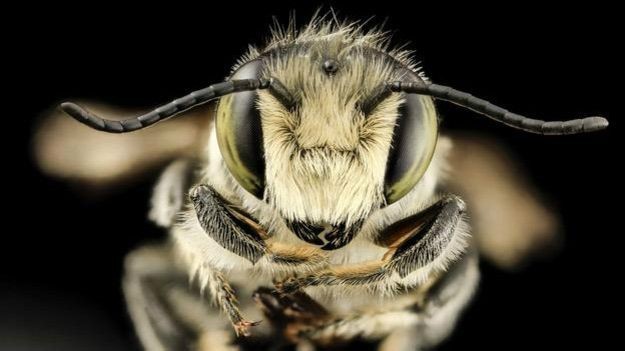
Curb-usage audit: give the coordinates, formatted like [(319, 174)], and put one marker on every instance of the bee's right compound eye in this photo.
[(239, 133), (412, 148)]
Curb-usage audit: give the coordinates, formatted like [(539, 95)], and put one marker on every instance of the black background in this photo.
[(62, 254)]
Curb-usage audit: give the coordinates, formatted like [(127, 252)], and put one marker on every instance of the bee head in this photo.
[(328, 124), (327, 143)]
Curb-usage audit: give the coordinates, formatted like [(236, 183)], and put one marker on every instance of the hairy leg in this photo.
[(239, 233), (424, 239), (227, 225), (222, 294), (440, 310), (169, 313), (422, 323), (213, 212)]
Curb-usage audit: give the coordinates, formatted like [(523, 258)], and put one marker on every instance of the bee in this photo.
[(319, 202)]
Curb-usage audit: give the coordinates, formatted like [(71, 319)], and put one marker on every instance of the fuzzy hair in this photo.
[(325, 162), (327, 152), (198, 249), (332, 159), (325, 28)]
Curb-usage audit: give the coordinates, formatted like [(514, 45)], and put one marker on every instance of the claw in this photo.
[(288, 286), (241, 328)]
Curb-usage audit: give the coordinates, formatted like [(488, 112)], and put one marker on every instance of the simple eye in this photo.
[(412, 148), (239, 133)]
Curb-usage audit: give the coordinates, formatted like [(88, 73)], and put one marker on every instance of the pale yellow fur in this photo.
[(325, 162)]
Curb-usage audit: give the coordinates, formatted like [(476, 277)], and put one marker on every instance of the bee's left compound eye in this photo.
[(414, 141), (239, 133)]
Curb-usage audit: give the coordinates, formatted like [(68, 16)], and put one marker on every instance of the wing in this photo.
[(510, 220), (66, 149)]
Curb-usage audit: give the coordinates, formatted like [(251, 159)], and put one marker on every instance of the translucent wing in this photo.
[(66, 149), (510, 220)]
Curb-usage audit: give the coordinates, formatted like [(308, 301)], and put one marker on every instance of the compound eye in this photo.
[(239, 133), (412, 148)]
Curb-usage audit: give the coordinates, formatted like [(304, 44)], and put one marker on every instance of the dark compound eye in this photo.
[(239, 133), (412, 148)]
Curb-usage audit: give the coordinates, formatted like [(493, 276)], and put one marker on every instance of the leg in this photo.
[(400, 340), (168, 314), (236, 231), (374, 326), (228, 226), (221, 220), (290, 314), (223, 296), (440, 310), (422, 324), (431, 238)]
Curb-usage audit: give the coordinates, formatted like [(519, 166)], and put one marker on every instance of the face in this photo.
[(330, 144)]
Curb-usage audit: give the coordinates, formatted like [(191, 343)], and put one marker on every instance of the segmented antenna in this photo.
[(169, 110), (440, 92)]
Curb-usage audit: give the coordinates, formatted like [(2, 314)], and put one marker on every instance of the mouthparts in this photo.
[(328, 236)]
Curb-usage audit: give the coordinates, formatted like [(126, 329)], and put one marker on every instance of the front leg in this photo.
[(228, 225), (424, 244), (430, 238), (290, 315), (236, 231), (222, 295), (424, 322), (426, 315)]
